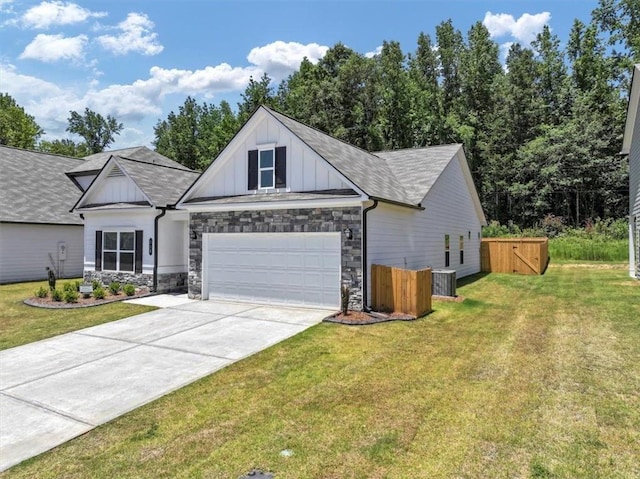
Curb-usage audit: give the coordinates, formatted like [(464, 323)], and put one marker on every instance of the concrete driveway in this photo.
[(56, 389)]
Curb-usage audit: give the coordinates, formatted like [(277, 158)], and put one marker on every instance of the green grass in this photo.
[(21, 324), (530, 376), (588, 249)]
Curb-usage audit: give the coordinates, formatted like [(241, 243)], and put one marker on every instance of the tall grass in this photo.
[(599, 240), (588, 249)]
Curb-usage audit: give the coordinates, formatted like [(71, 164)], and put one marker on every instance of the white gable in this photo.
[(228, 175), (112, 186)]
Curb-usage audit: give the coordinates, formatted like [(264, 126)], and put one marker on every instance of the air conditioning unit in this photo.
[(443, 282)]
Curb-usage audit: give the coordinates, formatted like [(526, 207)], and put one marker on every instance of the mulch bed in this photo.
[(360, 318), (84, 302)]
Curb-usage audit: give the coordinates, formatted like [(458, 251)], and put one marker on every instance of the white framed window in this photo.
[(118, 250), (266, 168)]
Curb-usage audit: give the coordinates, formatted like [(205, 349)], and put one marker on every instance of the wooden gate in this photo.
[(515, 255)]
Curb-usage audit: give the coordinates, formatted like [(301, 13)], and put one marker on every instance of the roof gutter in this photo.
[(155, 247), (365, 274), (398, 203)]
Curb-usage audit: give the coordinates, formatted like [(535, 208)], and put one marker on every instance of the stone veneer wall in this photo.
[(107, 277), (311, 220), (167, 283)]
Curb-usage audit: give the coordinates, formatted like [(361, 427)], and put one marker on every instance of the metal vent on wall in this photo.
[(115, 172)]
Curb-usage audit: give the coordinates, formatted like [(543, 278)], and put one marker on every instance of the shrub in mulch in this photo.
[(100, 296), (360, 318)]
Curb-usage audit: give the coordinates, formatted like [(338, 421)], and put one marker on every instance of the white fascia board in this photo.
[(632, 110), (276, 205), (128, 209), (220, 160)]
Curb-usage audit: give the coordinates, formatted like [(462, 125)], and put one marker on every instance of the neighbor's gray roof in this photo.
[(417, 169), (163, 185), (34, 188), (96, 161), (402, 176)]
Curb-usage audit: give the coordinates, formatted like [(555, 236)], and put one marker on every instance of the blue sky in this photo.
[(138, 60)]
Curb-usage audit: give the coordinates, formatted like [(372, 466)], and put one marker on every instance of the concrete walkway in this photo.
[(56, 389)]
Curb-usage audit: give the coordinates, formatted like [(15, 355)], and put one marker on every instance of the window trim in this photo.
[(447, 251), (118, 251), (272, 168)]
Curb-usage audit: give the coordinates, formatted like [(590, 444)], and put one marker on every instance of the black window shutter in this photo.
[(138, 254), (281, 167), (98, 266), (253, 170)]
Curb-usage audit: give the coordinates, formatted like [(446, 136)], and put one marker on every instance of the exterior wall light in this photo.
[(348, 234), (194, 235)]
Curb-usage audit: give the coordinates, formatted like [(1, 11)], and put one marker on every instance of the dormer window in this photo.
[(266, 168)]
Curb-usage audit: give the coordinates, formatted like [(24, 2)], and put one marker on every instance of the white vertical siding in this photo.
[(116, 190), (173, 254), (634, 198), (119, 221), (25, 248), (306, 171), (415, 239)]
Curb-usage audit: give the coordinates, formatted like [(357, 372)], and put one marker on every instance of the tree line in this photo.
[(541, 132)]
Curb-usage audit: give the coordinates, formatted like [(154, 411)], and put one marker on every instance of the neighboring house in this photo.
[(286, 214), (131, 235), (631, 147), (36, 228)]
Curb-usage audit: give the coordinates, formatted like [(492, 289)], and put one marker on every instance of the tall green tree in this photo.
[(450, 45), (17, 128), (256, 93), (64, 147), (98, 132)]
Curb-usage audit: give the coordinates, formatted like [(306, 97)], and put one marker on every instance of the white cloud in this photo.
[(51, 48), (136, 35), (280, 59), (57, 13), (372, 54), (524, 29)]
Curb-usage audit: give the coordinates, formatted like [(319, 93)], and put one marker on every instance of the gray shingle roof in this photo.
[(417, 169), (402, 176), (140, 153), (34, 188), (367, 171), (163, 185)]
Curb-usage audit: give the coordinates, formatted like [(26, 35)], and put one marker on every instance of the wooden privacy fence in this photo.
[(515, 255), (401, 290)]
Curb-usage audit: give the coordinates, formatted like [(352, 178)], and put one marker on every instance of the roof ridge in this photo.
[(185, 169)]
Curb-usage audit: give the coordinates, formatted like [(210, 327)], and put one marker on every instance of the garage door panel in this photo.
[(278, 268)]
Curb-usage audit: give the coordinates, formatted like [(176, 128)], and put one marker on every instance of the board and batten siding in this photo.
[(634, 199), (25, 248), (415, 239), (116, 190), (119, 221), (306, 170)]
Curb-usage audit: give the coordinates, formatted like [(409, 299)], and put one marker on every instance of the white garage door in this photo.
[(277, 268)]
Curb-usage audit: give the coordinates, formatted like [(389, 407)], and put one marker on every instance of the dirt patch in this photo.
[(84, 302), (592, 265), (454, 299), (359, 318)]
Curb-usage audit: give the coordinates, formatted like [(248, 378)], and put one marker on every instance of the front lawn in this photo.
[(530, 376), (21, 324)]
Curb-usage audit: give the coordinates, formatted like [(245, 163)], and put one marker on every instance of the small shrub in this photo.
[(71, 296), (344, 299), (77, 285), (129, 289), (95, 284), (114, 287), (52, 279), (99, 293), (69, 287), (56, 295), (42, 292)]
